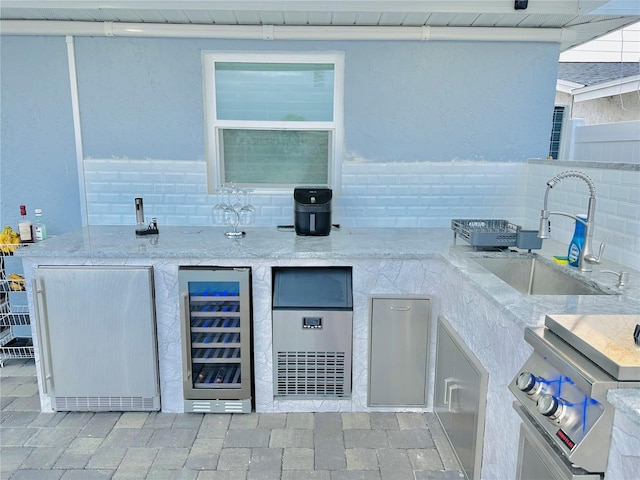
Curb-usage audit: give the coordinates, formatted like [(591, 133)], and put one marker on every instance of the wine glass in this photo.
[(219, 208), (247, 212)]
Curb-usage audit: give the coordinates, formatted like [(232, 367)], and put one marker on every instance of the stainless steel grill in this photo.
[(561, 392)]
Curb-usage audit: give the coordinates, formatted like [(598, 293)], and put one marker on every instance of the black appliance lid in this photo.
[(312, 288), (312, 195)]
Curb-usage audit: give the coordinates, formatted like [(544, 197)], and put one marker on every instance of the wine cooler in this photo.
[(216, 339)]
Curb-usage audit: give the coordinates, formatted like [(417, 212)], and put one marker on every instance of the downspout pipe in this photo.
[(280, 32)]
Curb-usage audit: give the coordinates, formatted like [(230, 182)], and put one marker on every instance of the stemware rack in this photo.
[(233, 208)]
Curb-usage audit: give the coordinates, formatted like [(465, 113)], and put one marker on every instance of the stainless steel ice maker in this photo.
[(312, 332)]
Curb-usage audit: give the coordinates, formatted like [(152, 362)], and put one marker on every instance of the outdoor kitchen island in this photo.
[(488, 315)]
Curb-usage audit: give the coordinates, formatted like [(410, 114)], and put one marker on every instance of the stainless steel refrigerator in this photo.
[(97, 337), (216, 339)]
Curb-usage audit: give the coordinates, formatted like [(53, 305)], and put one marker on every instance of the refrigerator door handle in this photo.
[(185, 319), (43, 336)]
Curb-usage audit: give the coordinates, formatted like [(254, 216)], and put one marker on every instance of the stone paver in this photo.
[(297, 459), (425, 459), (410, 439), (172, 437), (234, 459), (87, 475), (362, 459), (290, 437), (356, 421), (106, 458), (170, 458), (70, 461), (266, 460), (383, 421), (300, 420), (394, 464), (365, 439), (132, 420), (247, 438), (194, 446)]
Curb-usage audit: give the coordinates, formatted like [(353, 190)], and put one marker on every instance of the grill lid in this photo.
[(607, 340)]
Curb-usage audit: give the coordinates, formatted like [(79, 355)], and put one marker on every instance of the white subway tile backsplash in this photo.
[(606, 206), (186, 210), (387, 180), (628, 210), (612, 176), (144, 188), (424, 194), (367, 179), (119, 186), (110, 198)]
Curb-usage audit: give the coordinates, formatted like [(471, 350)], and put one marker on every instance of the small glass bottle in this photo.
[(40, 228), (25, 229), (577, 242)]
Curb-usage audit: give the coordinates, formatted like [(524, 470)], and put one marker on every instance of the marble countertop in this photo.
[(119, 243), (259, 242), (203, 243)]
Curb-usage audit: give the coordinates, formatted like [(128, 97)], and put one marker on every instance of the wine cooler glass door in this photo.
[(216, 336)]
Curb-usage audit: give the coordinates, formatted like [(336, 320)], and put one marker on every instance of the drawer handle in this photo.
[(400, 309), (453, 388), (447, 389)]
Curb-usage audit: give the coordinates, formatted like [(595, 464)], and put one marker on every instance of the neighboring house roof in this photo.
[(593, 73), (591, 80)]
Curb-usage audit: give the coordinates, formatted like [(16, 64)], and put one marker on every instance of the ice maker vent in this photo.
[(311, 374), (93, 404)]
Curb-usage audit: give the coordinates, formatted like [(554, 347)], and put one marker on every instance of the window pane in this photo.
[(274, 91), (556, 130), (276, 156)]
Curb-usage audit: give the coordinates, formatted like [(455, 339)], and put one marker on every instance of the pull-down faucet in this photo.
[(586, 254)]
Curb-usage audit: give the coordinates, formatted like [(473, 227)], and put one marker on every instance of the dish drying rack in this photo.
[(491, 233)]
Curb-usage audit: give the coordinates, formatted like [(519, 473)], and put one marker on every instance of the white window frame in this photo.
[(214, 126)]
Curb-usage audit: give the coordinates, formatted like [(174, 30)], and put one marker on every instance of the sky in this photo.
[(622, 45)]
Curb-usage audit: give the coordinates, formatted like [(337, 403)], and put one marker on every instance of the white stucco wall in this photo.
[(618, 108)]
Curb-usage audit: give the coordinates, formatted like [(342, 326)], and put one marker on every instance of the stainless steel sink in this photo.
[(531, 276)]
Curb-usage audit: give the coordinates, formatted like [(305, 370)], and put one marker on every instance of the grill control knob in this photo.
[(552, 407), (529, 384)]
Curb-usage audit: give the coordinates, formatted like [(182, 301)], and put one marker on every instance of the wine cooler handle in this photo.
[(185, 321), (43, 335)]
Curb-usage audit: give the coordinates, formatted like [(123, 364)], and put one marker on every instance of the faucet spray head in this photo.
[(544, 231)]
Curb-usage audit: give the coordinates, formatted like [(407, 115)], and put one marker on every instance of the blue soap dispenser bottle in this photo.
[(577, 242)]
